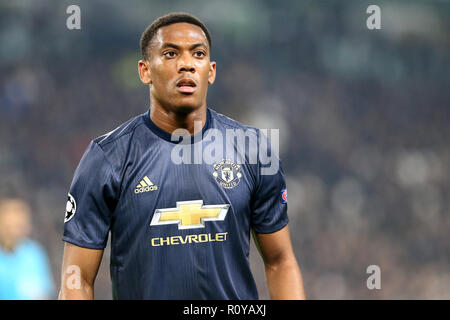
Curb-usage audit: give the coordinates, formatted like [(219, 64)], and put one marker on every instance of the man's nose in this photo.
[(186, 63)]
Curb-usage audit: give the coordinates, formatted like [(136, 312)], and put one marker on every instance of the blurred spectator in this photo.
[(24, 268)]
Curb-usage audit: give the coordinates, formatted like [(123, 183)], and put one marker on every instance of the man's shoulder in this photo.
[(122, 132), (227, 122)]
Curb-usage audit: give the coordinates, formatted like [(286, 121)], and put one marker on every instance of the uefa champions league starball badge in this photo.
[(71, 208), (227, 173)]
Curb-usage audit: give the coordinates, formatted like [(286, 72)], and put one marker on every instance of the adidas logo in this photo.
[(145, 185)]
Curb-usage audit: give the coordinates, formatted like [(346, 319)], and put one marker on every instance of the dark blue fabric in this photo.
[(103, 189)]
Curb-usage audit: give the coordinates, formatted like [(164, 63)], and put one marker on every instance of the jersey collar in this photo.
[(167, 136)]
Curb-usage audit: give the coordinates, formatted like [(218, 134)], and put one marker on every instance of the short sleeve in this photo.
[(91, 201), (269, 201)]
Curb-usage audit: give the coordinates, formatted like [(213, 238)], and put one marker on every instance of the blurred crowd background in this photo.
[(364, 119)]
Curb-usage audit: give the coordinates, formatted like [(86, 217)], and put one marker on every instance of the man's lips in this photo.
[(186, 85), (186, 89)]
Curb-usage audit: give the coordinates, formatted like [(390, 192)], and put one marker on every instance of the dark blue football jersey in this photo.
[(178, 230)]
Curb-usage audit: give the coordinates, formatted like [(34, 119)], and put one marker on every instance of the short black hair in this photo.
[(168, 19)]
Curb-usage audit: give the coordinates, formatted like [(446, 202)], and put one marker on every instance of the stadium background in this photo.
[(363, 118)]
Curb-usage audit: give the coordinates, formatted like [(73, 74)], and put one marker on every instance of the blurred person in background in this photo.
[(24, 268)]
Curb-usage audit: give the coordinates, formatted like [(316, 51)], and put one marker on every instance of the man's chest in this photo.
[(157, 191)]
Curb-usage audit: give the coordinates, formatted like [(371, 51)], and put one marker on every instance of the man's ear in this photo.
[(212, 72), (144, 71)]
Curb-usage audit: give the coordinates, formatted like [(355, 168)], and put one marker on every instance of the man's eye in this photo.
[(170, 54), (199, 54)]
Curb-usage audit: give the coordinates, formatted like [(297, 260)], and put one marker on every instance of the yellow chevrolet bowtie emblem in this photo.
[(190, 214)]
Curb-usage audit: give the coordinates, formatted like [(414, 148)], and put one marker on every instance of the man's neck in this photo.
[(169, 121), (7, 246)]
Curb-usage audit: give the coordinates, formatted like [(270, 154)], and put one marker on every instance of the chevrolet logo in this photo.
[(190, 214)]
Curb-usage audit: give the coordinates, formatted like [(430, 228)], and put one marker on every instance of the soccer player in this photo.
[(178, 230)]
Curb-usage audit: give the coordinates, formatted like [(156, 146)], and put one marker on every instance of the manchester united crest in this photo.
[(228, 174)]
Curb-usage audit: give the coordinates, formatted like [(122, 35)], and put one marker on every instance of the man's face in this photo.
[(179, 69), (14, 222)]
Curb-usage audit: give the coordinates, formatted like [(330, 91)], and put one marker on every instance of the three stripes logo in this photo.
[(145, 185)]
